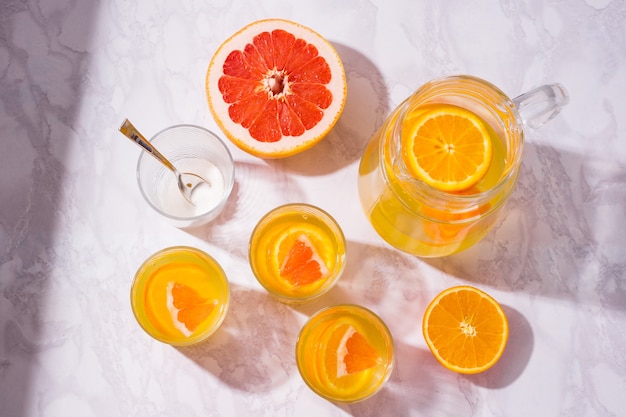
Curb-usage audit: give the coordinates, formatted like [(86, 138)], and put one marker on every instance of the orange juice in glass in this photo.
[(297, 252), (345, 353), (434, 178), (180, 295)]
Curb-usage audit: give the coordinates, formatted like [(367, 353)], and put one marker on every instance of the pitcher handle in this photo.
[(541, 104)]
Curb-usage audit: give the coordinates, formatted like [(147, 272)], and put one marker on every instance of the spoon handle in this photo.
[(133, 134)]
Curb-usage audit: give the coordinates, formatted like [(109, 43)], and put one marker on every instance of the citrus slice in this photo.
[(276, 88), (187, 309), (302, 265), (447, 147), (349, 352), (302, 255), (465, 329)]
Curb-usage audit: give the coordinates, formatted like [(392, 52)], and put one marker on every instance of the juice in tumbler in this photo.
[(180, 296), (297, 252), (345, 353)]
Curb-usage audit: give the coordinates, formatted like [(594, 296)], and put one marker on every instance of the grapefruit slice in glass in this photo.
[(303, 254), (187, 309), (276, 88), (353, 352)]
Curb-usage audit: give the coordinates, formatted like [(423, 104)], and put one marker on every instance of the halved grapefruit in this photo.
[(276, 88)]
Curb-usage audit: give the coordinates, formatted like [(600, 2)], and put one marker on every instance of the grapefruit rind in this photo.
[(175, 312), (314, 261), (288, 145), (314, 237), (343, 367), (334, 371)]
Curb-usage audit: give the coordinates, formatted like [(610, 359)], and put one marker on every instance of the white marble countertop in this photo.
[(74, 228)]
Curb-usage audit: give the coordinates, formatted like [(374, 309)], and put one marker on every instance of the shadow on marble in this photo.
[(347, 290), (412, 386), (415, 386), (226, 216), (365, 111), (253, 350), (381, 279), (419, 381), (387, 282), (559, 235), (516, 355), (39, 109), (259, 188)]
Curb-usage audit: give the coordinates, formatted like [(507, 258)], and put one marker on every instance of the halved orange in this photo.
[(348, 352), (276, 88), (465, 329), (447, 147), (187, 308)]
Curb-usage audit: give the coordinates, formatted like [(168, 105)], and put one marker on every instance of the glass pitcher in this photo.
[(422, 220)]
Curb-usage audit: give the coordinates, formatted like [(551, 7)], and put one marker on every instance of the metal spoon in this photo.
[(187, 181)]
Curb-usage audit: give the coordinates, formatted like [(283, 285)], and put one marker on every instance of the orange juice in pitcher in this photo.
[(434, 178)]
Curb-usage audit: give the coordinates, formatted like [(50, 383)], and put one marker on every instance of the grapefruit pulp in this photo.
[(276, 88), (187, 309)]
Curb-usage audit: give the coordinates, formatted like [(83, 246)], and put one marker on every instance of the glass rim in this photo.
[(390, 367), (227, 189), (211, 262), (336, 228)]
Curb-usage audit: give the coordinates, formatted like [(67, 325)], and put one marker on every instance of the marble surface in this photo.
[(73, 226)]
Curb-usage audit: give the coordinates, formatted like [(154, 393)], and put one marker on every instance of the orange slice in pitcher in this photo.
[(447, 147), (276, 88)]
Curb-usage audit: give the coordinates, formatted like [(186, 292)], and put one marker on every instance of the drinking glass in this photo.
[(191, 149), (297, 252), (180, 295), (345, 353)]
